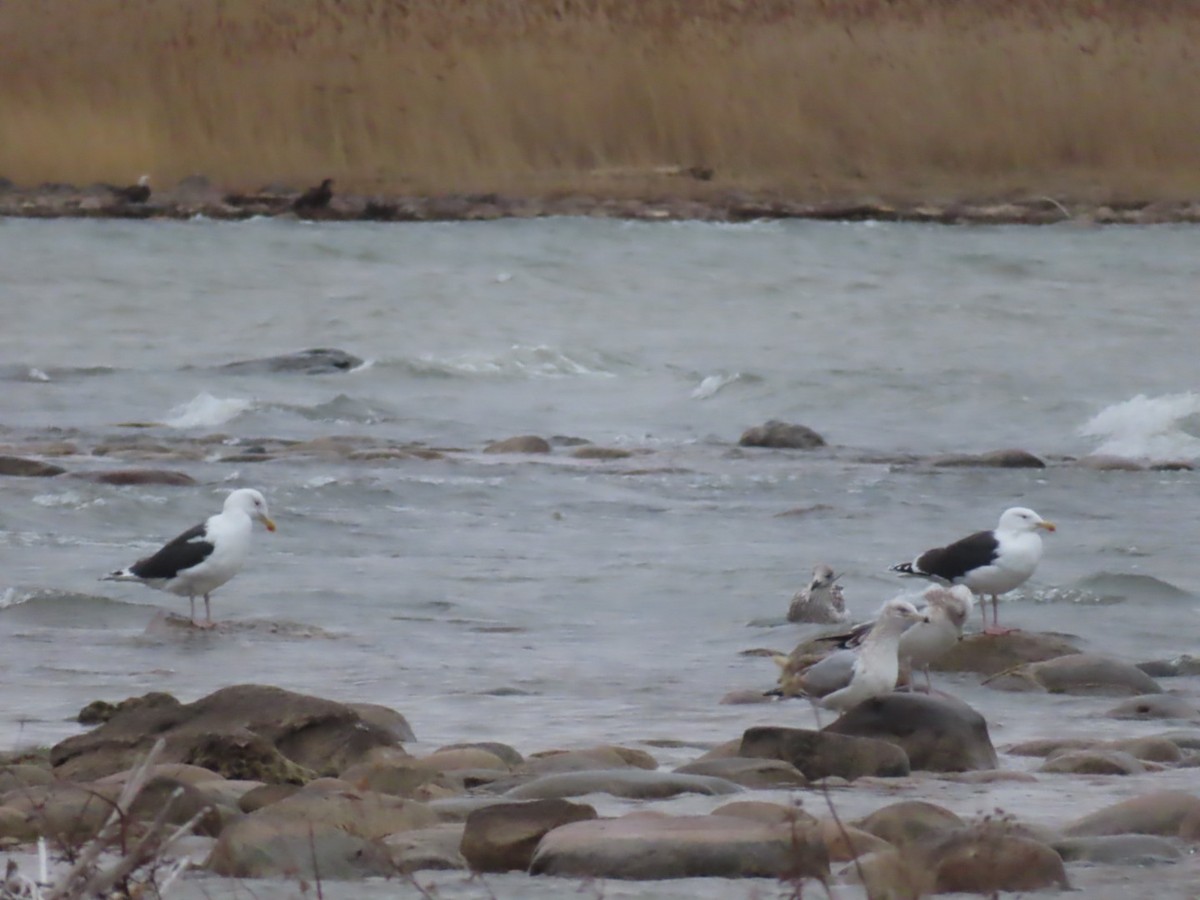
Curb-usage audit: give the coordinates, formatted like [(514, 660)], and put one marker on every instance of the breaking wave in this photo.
[(1162, 428)]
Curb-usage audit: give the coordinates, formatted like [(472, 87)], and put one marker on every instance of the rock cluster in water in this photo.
[(285, 785)]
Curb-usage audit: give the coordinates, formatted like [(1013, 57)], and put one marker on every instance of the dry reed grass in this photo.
[(907, 98)]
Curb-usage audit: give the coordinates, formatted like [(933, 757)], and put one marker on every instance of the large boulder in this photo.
[(658, 847), (775, 433), (990, 654), (316, 833), (1166, 813), (502, 837), (938, 733), (64, 812), (910, 822), (1078, 673), (820, 754), (247, 732), (990, 858)]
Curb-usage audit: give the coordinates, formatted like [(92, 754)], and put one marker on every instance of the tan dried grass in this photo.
[(909, 98)]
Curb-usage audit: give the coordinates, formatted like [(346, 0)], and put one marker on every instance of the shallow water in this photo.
[(558, 602)]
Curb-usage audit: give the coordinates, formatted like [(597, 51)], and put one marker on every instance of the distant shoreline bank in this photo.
[(190, 202)]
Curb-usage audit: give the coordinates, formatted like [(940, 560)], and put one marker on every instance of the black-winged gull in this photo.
[(988, 562), (204, 557)]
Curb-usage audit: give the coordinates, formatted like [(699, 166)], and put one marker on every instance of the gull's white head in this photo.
[(252, 503), (144, 180), (898, 611), (1021, 519)]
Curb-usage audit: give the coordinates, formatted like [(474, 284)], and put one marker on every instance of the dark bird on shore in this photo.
[(315, 197), (205, 557), (134, 193)]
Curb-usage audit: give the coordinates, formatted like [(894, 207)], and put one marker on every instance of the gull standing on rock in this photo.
[(204, 557), (946, 611), (821, 601), (878, 663), (988, 562)]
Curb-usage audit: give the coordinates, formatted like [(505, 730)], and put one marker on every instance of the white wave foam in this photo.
[(1162, 428), (206, 411), (711, 385), (533, 361)]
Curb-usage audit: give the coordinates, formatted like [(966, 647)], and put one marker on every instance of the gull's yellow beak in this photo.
[(266, 520), (1047, 526)]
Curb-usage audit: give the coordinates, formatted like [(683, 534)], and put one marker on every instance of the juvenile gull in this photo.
[(204, 557), (988, 562), (946, 611), (821, 601), (878, 663)]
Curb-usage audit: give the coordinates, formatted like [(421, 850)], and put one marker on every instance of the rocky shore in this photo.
[(268, 783), (197, 197), (140, 453)]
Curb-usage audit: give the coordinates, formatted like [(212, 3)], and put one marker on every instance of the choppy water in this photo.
[(557, 602)]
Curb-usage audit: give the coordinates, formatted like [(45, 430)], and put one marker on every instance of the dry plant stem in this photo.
[(837, 820), (86, 878)]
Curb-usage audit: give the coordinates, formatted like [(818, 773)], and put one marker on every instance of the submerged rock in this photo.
[(318, 361), (751, 773), (1118, 849), (589, 758), (634, 783), (781, 435), (937, 733), (1078, 673), (525, 443), (137, 476), (28, 468), (1155, 706), (1093, 762), (996, 459), (659, 847)]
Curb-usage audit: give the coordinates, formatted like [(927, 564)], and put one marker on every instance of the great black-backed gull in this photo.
[(204, 557), (878, 663), (988, 562), (315, 197), (135, 193), (821, 601)]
